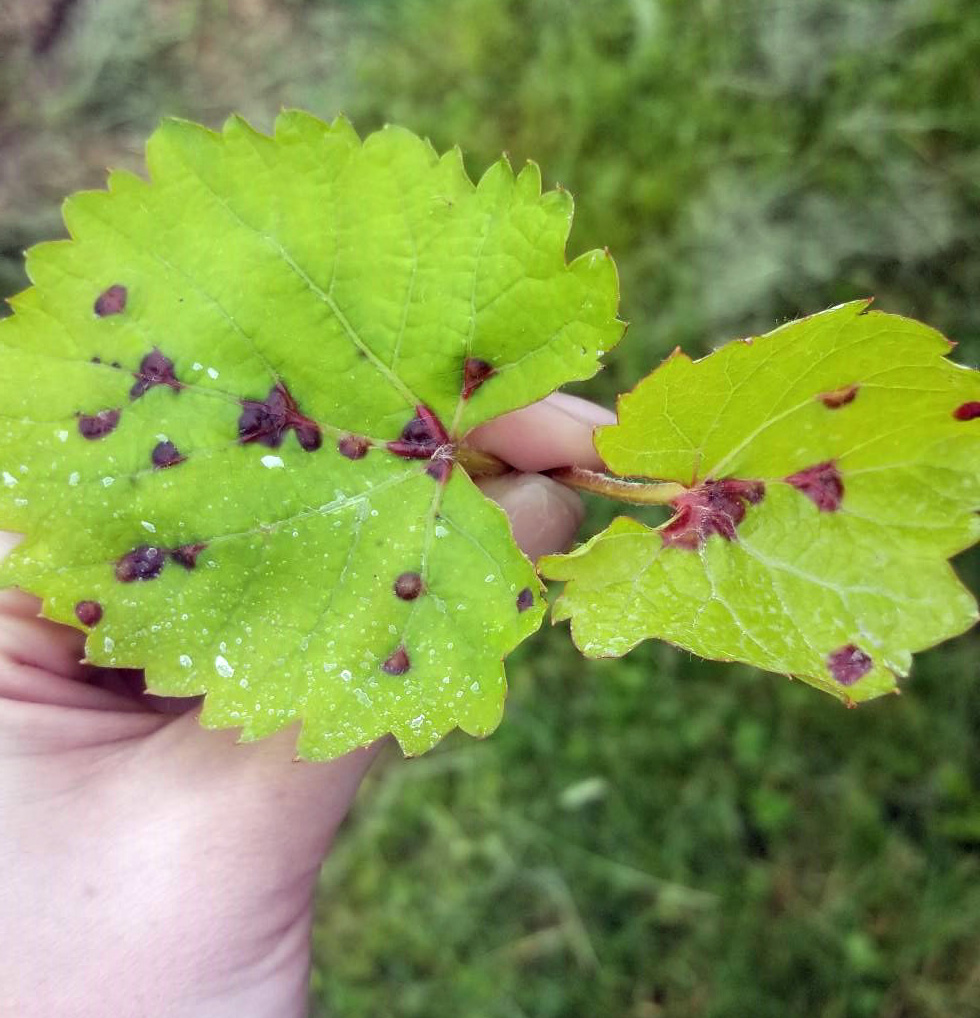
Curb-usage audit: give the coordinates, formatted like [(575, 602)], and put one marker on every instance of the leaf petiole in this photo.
[(483, 464), (480, 464), (634, 492)]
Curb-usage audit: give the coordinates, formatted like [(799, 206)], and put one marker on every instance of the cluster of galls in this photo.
[(267, 422)]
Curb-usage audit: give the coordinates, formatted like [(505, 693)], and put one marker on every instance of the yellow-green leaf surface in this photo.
[(833, 468), (229, 412)]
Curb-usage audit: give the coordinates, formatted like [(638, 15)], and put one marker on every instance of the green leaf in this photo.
[(197, 401), (832, 467)]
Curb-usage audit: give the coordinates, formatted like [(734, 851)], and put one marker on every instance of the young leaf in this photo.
[(832, 468), (229, 415)]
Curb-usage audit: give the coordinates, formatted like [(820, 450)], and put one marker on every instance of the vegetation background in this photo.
[(657, 836)]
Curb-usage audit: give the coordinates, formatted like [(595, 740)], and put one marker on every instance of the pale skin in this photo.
[(151, 867)]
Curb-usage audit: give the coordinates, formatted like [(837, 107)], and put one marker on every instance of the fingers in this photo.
[(13, 602), (42, 644), (544, 515), (261, 785), (28, 640), (556, 432)]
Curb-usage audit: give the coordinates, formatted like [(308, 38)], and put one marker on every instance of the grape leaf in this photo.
[(832, 468), (231, 407)]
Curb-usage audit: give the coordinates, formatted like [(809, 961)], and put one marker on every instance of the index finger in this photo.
[(555, 432)]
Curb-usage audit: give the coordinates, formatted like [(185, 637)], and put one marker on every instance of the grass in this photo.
[(656, 837)]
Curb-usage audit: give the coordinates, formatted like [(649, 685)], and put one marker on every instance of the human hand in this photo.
[(153, 868)]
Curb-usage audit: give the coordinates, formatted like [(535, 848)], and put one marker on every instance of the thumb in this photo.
[(544, 515)]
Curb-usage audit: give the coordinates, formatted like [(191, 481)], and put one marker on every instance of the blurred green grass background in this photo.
[(656, 836)]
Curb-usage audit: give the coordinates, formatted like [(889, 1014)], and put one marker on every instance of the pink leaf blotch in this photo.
[(96, 426), (715, 507), (354, 447), (186, 554), (89, 613), (839, 397), (398, 663), (155, 369), (421, 438), (967, 411), (408, 586), (475, 373), (166, 454), (848, 664), (525, 599), (822, 484), (267, 421), (111, 301), (439, 468), (309, 436), (142, 563)]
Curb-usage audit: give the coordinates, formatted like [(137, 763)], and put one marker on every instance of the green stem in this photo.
[(483, 464), (480, 464), (634, 492)]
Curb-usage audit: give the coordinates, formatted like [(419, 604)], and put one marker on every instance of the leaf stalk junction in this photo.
[(482, 464)]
